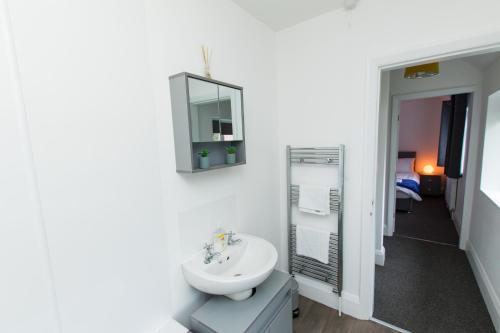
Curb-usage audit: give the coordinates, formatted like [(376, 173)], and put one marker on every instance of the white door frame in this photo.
[(460, 48), (394, 148)]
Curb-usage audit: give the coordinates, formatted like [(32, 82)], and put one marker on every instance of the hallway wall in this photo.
[(484, 245)]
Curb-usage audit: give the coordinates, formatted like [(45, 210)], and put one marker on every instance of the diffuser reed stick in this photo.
[(207, 56)]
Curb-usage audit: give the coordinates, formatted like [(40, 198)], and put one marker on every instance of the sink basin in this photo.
[(240, 268)]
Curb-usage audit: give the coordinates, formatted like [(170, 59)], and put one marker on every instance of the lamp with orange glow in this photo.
[(428, 169)]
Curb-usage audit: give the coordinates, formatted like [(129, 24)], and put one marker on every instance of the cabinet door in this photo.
[(204, 110), (231, 113), (283, 322)]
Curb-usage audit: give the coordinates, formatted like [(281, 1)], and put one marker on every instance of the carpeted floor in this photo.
[(428, 220), (428, 287)]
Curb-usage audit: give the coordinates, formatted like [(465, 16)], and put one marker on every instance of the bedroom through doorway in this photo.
[(427, 174)]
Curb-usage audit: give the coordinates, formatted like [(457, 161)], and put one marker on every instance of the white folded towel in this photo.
[(314, 199), (312, 243)]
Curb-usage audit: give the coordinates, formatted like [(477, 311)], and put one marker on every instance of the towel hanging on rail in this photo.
[(313, 243), (314, 199)]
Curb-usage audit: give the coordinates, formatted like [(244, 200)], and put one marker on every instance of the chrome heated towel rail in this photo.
[(330, 273)]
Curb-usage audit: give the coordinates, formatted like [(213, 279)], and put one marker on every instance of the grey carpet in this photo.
[(427, 287), (428, 220)]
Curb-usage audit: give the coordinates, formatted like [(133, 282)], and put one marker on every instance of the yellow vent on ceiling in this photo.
[(421, 71)]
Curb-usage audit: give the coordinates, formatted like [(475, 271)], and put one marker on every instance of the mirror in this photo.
[(216, 112), (204, 107), (230, 107)]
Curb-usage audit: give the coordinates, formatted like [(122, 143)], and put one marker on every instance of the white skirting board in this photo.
[(322, 293), (380, 257), (490, 297), (392, 327)]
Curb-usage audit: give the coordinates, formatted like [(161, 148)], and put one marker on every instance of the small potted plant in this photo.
[(231, 155), (204, 159)]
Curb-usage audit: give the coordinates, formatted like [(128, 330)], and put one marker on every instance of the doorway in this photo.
[(423, 266), (421, 206), (427, 201)]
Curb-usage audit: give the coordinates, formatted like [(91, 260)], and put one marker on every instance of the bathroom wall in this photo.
[(86, 90), (322, 90), (246, 197), (93, 192), (419, 127), (25, 281)]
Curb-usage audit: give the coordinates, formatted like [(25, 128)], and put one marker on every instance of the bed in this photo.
[(407, 181)]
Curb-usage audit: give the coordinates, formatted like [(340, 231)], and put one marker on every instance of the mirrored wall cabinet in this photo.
[(208, 123)]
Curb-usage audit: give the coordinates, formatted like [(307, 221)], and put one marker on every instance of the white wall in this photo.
[(322, 71), (245, 197), (485, 230), (419, 127), (86, 88), (27, 302), (119, 220)]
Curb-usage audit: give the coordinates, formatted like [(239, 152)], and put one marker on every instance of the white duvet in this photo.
[(412, 176)]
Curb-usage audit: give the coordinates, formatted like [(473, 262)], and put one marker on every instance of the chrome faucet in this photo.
[(230, 238), (209, 253)]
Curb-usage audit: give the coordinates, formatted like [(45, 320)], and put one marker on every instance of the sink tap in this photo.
[(209, 253), (230, 238)]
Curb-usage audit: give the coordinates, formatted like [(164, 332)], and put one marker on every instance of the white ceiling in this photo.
[(483, 61), (280, 14)]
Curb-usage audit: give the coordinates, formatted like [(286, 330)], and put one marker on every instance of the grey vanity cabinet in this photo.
[(269, 310), (283, 321), (206, 114)]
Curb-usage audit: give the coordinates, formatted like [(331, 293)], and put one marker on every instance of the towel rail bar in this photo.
[(300, 262), (327, 277)]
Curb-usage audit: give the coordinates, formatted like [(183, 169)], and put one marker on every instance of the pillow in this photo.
[(405, 165)]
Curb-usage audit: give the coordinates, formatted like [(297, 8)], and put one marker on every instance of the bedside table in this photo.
[(430, 185)]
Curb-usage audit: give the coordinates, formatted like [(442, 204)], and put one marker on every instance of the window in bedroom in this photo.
[(490, 177)]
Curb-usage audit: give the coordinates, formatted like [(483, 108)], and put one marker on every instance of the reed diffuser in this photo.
[(207, 56)]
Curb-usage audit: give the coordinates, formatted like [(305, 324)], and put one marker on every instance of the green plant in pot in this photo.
[(231, 155), (204, 159)]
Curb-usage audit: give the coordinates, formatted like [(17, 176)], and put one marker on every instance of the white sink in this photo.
[(240, 268)]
